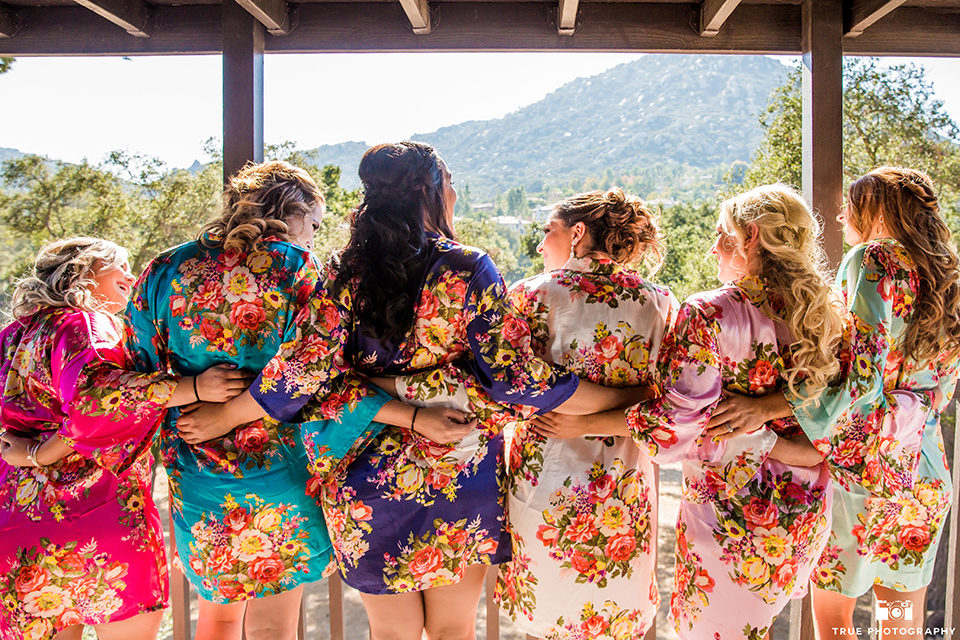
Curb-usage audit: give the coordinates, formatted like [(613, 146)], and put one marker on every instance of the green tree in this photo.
[(5, 64), (890, 116), (688, 266)]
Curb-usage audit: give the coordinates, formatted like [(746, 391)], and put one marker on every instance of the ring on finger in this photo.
[(730, 428)]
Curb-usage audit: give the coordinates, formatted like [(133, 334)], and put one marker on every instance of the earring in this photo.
[(573, 248)]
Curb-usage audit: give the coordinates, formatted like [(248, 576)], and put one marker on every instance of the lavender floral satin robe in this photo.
[(750, 529)]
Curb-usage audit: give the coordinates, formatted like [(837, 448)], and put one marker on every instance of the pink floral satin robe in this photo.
[(80, 540)]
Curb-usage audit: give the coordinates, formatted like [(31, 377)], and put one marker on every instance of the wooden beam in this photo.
[(275, 15), (243, 40), (911, 31), (9, 22), (713, 13), (133, 16), (822, 36), (476, 26), (418, 13), (860, 14), (567, 17)]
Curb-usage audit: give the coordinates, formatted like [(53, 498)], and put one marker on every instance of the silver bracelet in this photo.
[(32, 450)]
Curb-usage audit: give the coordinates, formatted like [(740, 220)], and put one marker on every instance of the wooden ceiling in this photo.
[(142, 27)]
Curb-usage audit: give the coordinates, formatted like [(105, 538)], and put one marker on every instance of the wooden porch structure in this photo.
[(822, 31)]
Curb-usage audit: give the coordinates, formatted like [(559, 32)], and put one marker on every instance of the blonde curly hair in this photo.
[(63, 275), (793, 266)]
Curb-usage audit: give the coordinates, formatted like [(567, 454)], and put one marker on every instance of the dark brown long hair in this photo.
[(905, 200), (386, 257), (257, 202)]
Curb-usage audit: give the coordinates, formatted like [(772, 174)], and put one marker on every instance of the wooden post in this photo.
[(822, 44), (243, 39), (952, 605), (493, 611), (651, 633), (338, 622), (179, 592)]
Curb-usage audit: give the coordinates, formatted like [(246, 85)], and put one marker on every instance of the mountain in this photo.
[(6, 153), (694, 111)]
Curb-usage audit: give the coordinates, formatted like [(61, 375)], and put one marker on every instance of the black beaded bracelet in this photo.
[(195, 392)]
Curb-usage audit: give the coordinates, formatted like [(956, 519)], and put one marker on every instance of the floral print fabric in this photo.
[(880, 430), (246, 519), (582, 511), (407, 514), (80, 540), (750, 529)]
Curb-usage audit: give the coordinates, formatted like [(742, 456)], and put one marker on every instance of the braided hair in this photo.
[(905, 200), (387, 255)]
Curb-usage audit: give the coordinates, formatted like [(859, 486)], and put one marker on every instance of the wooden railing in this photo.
[(800, 611)]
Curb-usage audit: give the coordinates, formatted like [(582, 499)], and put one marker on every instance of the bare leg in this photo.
[(833, 614), (912, 618), (452, 611), (273, 617), (395, 617), (70, 633), (145, 626), (219, 621)]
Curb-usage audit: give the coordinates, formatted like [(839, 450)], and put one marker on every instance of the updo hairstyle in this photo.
[(621, 225), (257, 203)]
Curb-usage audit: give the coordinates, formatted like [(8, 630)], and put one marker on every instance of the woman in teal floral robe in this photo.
[(246, 522)]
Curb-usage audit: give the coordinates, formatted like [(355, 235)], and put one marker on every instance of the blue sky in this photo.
[(71, 108)]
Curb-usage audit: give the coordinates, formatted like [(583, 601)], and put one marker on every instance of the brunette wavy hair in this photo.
[(257, 202), (621, 225), (386, 257), (905, 201), (62, 275), (792, 264)]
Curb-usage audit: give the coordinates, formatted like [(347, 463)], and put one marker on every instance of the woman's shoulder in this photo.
[(721, 296), (882, 254)]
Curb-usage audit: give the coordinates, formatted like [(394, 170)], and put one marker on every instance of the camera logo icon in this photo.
[(894, 610)]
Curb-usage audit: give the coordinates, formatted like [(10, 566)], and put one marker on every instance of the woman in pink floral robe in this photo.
[(754, 512), (80, 537)]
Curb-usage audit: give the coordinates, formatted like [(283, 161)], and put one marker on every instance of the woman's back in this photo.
[(581, 509), (463, 315)]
